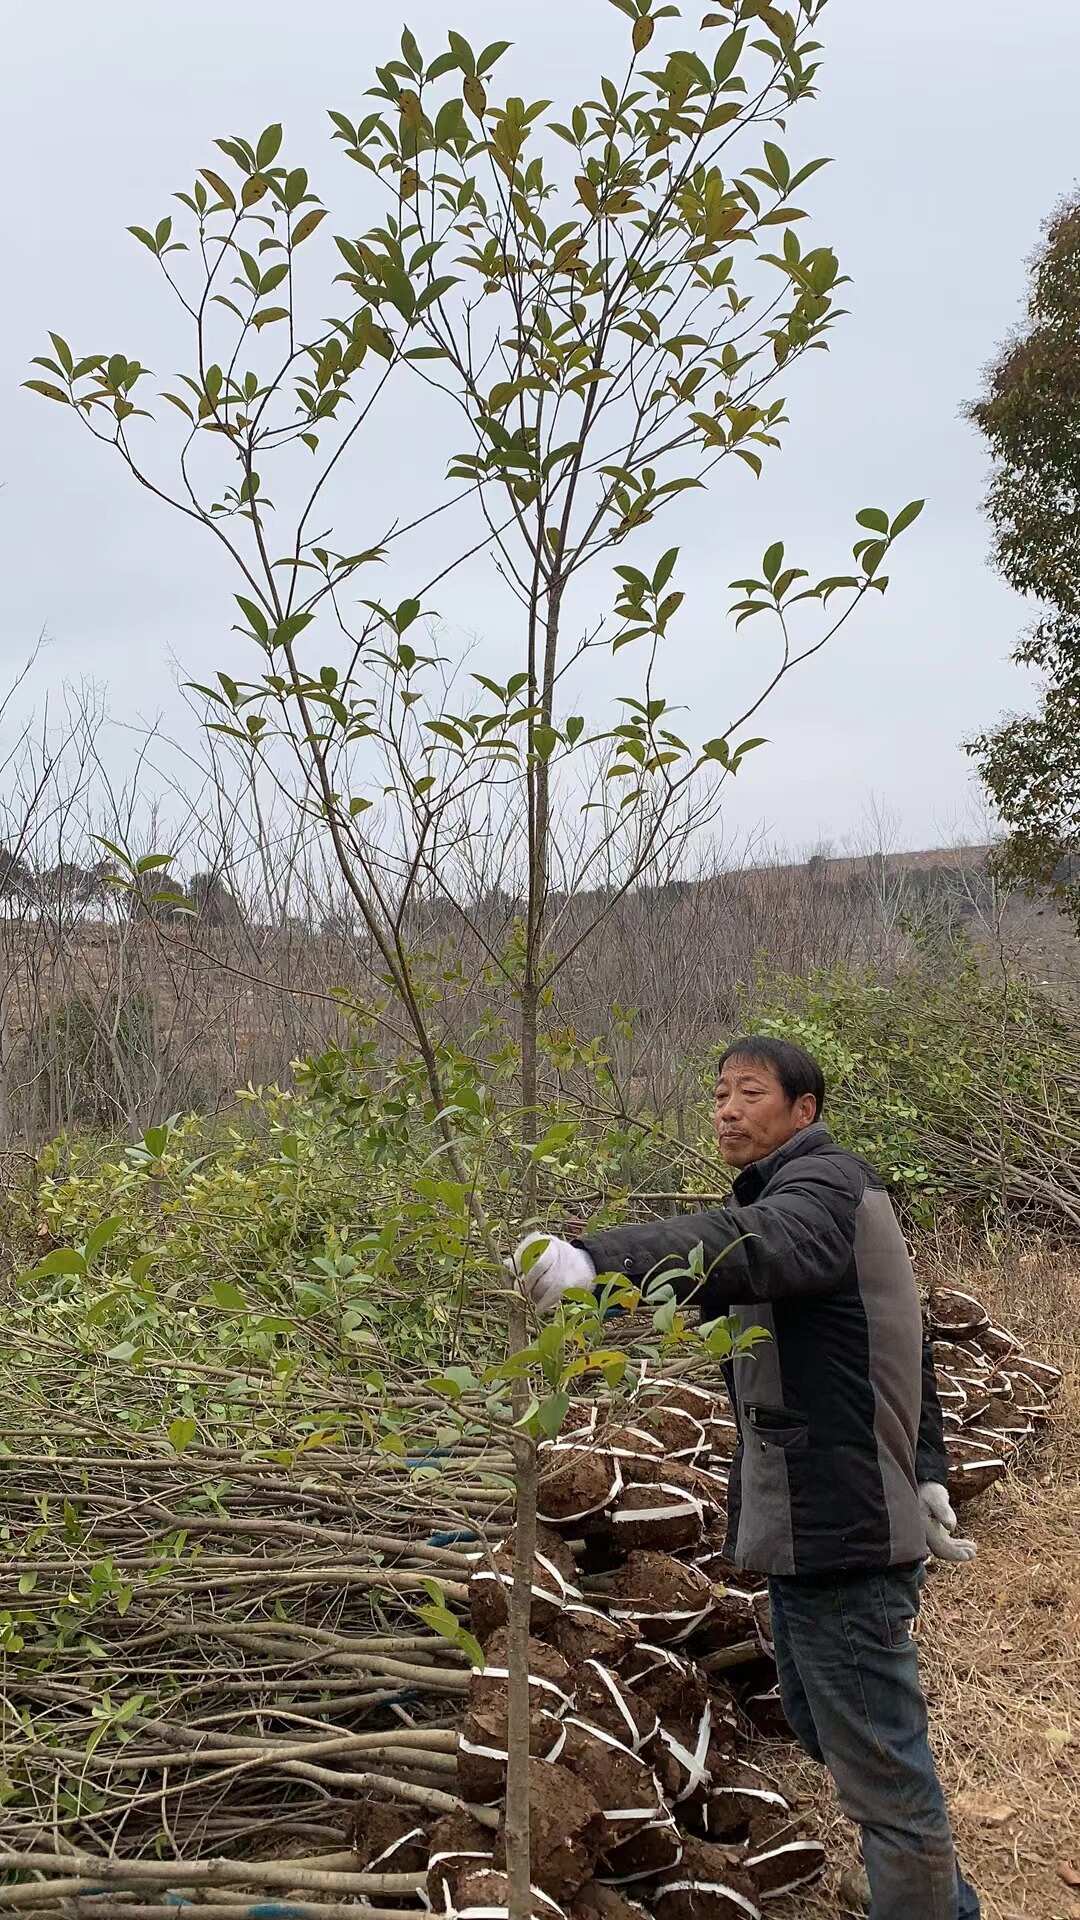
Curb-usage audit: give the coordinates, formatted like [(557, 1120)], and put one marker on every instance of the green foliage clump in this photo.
[(1029, 414), (257, 1240), (326, 1228), (952, 1085)]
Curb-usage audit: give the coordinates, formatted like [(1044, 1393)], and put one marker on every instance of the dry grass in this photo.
[(1001, 1646)]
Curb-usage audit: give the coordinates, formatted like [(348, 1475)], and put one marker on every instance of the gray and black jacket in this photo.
[(838, 1414)]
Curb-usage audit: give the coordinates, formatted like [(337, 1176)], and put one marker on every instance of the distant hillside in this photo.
[(955, 859)]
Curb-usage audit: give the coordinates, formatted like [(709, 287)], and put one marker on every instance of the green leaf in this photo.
[(442, 1384), (874, 519), (727, 56), (778, 165), (255, 618), (289, 629), (440, 1620), (399, 287), (531, 1252), (269, 142), (664, 570), (773, 561), (63, 1260), (558, 1135), (471, 1648), (308, 224), (50, 392), (462, 52), (449, 122), (545, 741), (267, 316), (224, 192), (435, 291), (228, 1296), (100, 1236), (612, 1365), (551, 1414), (475, 95), (906, 517), (296, 185), (181, 1433), (491, 54), (745, 746)]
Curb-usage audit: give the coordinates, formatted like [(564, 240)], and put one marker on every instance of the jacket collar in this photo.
[(753, 1179)]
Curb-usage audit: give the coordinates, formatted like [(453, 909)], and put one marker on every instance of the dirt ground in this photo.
[(1000, 1642)]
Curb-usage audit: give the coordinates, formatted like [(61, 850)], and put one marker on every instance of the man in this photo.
[(837, 1486)]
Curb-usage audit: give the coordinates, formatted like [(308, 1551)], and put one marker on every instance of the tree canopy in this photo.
[(1029, 413)]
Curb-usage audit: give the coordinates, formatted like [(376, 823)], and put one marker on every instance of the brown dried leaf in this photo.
[(984, 1809)]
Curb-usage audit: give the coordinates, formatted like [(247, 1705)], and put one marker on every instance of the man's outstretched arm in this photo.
[(796, 1242)]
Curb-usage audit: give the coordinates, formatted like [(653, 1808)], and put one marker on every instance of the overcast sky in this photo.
[(953, 133)]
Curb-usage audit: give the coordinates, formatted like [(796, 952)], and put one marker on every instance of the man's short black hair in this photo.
[(797, 1071)]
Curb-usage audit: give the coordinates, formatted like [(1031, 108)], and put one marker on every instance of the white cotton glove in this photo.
[(555, 1270), (941, 1525)]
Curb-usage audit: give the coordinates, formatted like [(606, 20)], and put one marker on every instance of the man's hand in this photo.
[(557, 1268), (941, 1525)]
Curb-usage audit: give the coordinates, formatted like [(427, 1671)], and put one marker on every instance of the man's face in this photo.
[(753, 1115)]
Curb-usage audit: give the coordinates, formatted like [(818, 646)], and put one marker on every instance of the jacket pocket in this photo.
[(777, 1427)]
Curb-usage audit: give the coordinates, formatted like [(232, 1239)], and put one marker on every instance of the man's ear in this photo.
[(805, 1111)]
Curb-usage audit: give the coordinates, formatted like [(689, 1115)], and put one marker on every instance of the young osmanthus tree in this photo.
[(605, 297), (605, 301)]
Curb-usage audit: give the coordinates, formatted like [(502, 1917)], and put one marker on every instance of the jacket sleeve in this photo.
[(931, 1460), (797, 1241)]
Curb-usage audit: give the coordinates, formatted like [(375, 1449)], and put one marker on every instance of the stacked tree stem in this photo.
[(221, 1685)]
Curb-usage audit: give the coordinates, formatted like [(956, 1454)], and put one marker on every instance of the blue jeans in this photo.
[(849, 1681)]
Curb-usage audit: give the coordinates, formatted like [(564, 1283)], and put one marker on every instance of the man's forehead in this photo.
[(742, 1066)]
